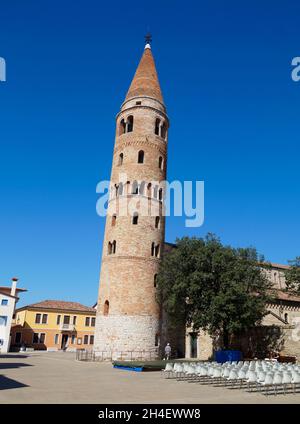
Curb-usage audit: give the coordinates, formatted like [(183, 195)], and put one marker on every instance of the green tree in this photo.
[(217, 288), (293, 275)]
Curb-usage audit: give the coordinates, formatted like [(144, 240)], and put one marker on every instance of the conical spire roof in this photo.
[(145, 81)]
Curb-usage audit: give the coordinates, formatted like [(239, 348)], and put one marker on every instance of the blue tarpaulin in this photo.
[(222, 356)]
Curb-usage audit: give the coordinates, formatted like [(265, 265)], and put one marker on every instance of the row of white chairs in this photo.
[(263, 376)]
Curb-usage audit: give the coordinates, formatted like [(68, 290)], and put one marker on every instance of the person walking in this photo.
[(168, 351)]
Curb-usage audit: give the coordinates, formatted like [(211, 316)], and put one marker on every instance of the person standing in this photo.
[(168, 351)]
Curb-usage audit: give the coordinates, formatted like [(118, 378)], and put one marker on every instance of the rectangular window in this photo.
[(35, 338), (42, 337), (79, 340), (67, 319), (4, 302), (93, 322), (73, 339), (86, 340), (74, 320), (45, 319), (3, 320), (87, 321), (58, 319), (56, 339), (18, 338), (91, 340), (38, 318)]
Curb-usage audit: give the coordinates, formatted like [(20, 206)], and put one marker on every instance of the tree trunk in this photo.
[(225, 338)]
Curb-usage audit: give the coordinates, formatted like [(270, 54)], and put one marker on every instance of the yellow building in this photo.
[(54, 325)]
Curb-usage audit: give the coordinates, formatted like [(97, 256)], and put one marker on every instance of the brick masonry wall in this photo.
[(127, 276), (272, 335)]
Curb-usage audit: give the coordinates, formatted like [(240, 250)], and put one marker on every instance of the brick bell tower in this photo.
[(128, 315)]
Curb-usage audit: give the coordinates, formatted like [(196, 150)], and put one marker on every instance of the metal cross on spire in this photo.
[(148, 38)]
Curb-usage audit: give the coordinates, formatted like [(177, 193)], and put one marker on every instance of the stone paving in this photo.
[(55, 377)]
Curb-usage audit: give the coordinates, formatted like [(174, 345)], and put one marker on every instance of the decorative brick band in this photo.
[(134, 258), (122, 144)]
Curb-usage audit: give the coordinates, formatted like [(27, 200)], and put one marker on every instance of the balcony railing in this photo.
[(67, 327)]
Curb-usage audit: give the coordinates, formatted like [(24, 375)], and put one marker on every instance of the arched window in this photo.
[(121, 157), (157, 251), (155, 280), (157, 124), (157, 219), (130, 123), (135, 218), (149, 190), (116, 190), (127, 187), (120, 189), (114, 246), (156, 339), (160, 194), (113, 220), (109, 248), (152, 249), (135, 188), (160, 162), (286, 318), (163, 131), (106, 308), (141, 156), (122, 128), (142, 188)]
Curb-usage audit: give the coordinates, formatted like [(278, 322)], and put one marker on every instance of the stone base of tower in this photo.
[(126, 337)]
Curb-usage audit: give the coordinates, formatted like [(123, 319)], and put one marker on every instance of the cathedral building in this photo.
[(279, 331)]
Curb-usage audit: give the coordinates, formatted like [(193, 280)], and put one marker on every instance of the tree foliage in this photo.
[(293, 275), (217, 288)]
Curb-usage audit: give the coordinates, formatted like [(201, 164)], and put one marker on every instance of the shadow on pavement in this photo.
[(13, 365), (8, 383), (13, 356)]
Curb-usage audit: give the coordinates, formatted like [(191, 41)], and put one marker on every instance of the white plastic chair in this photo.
[(217, 375), (295, 380), (191, 372), (252, 366), (268, 382), (179, 371), (277, 381), (233, 376), (241, 376), (226, 372), (187, 371), (286, 380), (168, 369), (251, 380)]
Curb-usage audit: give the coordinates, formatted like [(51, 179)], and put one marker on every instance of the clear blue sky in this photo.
[(224, 68)]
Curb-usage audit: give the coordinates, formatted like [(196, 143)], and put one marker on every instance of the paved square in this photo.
[(55, 377)]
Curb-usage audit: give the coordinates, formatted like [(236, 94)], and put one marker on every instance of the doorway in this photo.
[(193, 344), (64, 341)]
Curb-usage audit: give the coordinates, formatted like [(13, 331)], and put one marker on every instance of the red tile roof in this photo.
[(281, 295), (8, 294), (280, 266), (60, 305), (5, 288)]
